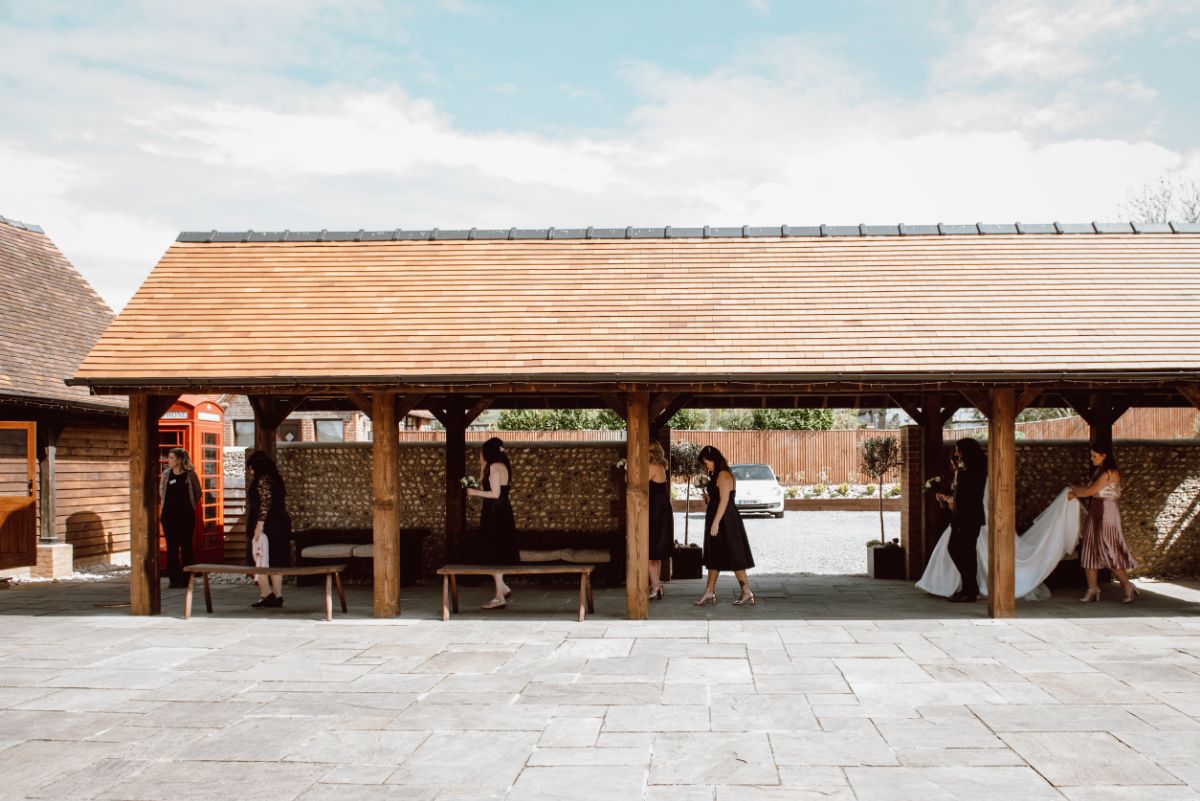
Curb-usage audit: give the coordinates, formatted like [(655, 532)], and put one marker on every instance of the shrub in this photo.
[(842, 490), (894, 492), (880, 456), (870, 489), (818, 490), (792, 492)]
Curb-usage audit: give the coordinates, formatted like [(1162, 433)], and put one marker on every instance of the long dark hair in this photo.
[(1110, 461), (262, 465), (493, 452), (711, 454), (972, 454)]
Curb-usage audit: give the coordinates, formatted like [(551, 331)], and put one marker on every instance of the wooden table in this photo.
[(450, 574), (332, 575)]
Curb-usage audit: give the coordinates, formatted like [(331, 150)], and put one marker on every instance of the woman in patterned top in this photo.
[(268, 526)]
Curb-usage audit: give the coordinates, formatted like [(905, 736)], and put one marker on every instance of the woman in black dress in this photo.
[(966, 508), (726, 546), (178, 496), (662, 519), (497, 526), (268, 526)]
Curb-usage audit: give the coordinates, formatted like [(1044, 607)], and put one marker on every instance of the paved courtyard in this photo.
[(831, 688)]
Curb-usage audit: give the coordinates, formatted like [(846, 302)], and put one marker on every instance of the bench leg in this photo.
[(590, 603), (328, 596), (454, 594), (445, 597), (337, 580), (582, 595), (207, 596), (187, 599)]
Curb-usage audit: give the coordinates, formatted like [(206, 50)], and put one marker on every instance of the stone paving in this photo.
[(830, 688)]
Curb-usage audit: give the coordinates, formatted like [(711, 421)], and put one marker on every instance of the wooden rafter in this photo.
[(1026, 398), (1191, 392), (479, 407), (980, 400)]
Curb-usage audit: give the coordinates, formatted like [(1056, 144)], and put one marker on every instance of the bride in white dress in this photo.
[(1052, 536)]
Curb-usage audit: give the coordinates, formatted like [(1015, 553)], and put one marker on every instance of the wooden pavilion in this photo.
[(1099, 317)]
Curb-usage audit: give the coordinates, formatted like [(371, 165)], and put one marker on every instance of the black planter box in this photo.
[(687, 563), (885, 562)]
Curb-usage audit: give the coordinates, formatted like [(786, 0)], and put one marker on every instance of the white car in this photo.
[(757, 489)]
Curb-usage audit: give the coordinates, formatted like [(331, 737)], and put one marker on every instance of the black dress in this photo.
[(266, 500), (178, 523), (730, 549), (497, 528), (662, 521), (966, 521)]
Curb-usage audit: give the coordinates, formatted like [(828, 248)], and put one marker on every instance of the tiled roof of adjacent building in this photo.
[(662, 303), (49, 318)]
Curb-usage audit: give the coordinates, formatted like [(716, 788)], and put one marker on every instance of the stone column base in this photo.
[(55, 560)]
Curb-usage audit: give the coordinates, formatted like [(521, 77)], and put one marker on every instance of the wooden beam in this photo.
[(479, 407), (145, 593), (269, 412), (637, 508), (405, 404), (385, 504), (979, 399), (439, 415), (1191, 393), (456, 468), (947, 413), (1080, 406), (663, 417), (912, 409), (1026, 398), (659, 402), (615, 402), (1002, 504), (361, 402)]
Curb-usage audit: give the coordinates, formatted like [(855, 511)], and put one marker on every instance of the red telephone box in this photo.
[(197, 425)]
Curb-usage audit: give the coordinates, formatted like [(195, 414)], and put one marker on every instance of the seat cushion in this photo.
[(364, 551), (585, 556), (542, 555), (328, 551)]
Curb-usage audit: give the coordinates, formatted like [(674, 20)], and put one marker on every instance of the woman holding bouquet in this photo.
[(966, 508), (726, 546), (662, 519), (497, 526)]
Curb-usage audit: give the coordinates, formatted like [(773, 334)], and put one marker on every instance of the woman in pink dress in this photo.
[(1101, 544)]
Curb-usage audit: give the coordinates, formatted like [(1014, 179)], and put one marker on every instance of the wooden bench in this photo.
[(450, 574), (332, 575)]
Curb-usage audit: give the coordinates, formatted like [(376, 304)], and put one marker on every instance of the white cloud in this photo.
[(113, 163)]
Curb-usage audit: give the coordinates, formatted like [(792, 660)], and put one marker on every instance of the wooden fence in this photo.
[(831, 457)]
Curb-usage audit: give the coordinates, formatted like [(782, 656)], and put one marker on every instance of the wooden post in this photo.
[(1100, 424), (385, 508), (47, 448), (454, 420), (933, 463), (912, 502), (1002, 503), (637, 507), (145, 594)]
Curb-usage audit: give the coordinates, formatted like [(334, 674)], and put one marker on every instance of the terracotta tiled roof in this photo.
[(49, 318), (847, 304)]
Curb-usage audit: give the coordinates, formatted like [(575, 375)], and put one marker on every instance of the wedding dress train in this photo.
[(1052, 536)]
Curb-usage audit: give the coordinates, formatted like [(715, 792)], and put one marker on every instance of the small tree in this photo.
[(880, 456), (685, 461)]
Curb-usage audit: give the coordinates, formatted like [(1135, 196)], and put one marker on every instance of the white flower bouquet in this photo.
[(469, 482)]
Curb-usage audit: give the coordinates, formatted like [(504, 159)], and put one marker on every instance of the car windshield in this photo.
[(752, 472)]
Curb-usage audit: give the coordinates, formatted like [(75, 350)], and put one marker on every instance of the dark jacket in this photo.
[(968, 499)]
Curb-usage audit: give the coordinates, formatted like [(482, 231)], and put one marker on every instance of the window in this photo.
[(243, 433), (288, 431), (329, 430)]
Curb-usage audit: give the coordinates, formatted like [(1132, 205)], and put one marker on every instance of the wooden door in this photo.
[(18, 503)]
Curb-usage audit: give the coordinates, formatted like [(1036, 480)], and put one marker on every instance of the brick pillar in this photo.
[(912, 501)]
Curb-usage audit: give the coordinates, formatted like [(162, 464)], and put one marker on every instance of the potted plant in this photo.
[(885, 560), (686, 558), (880, 456)]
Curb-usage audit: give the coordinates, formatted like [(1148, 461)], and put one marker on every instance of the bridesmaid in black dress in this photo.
[(662, 519), (497, 526), (726, 546)]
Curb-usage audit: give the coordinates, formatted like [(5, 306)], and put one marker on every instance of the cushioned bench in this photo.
[(354, 547), (604, 550)]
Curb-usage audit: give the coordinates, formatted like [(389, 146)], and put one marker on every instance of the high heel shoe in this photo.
[(706, 600), (1129, 596), (747, 598), (657, 594), (1092, 596)]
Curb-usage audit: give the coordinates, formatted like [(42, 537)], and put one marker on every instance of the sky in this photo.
[(125, 123)]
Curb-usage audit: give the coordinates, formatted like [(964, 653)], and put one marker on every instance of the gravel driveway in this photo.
[(829, 543)]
